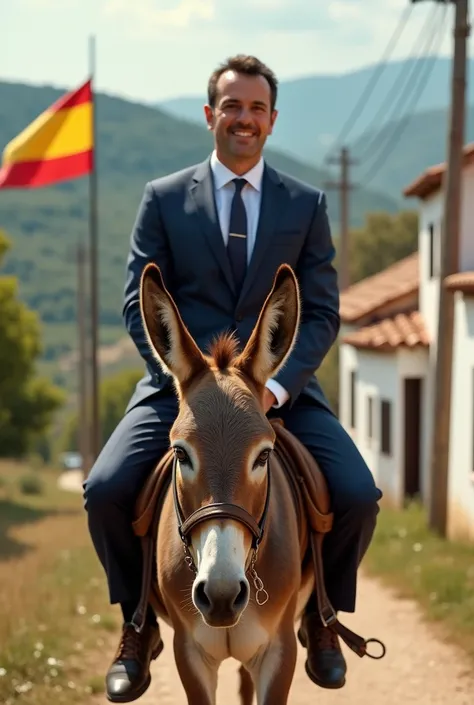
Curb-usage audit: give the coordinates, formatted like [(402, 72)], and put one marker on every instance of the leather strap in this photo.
[(326, 611), (148, 543), (221, 511)]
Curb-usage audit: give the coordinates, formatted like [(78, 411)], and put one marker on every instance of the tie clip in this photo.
[(237, 235)]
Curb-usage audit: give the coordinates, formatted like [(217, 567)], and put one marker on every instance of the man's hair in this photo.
[(248, 65)]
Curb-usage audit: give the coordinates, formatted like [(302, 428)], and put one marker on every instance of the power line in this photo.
[(399, 127), (378, 70), (427, 36)]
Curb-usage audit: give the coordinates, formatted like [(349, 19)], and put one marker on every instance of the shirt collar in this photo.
[(223, 175)]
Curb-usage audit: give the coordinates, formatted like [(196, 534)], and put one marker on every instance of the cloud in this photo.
[(49, 4), (342, 10), (348, 19), (150, 15)]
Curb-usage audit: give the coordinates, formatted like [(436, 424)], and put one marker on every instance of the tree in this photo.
[(27, 402), (383, 240), (115, 392)]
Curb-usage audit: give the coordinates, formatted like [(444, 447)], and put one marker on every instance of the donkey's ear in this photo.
[(168, 337), (275, 332)]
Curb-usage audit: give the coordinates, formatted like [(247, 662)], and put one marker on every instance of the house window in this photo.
[(385, 426), (431, 250), (353, 399), (370, 417)]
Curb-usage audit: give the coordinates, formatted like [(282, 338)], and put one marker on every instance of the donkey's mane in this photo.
[(224, 350)]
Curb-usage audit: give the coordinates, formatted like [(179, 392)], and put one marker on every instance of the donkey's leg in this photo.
[(198, 672), (273, 671), (246, 690)]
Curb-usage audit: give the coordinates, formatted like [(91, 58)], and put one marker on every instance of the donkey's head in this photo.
[(221, 437)]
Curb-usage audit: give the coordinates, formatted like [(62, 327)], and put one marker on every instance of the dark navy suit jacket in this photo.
[(177, 227)]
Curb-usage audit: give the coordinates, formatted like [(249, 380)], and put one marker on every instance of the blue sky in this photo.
[(153, 49)]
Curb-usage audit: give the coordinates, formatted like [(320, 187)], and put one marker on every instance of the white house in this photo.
[(388, 354)]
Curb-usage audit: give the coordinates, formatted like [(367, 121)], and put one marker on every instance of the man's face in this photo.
[(242, 118)]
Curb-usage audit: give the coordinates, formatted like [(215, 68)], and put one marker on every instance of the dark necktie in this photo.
[(237, 245)]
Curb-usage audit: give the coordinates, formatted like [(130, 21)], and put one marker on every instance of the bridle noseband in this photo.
[(223, 510)]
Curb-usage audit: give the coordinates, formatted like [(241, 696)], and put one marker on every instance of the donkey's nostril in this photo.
[(242, 597), (200, 595)]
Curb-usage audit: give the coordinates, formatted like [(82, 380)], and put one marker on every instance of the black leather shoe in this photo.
[(325, 664), (129, 675)]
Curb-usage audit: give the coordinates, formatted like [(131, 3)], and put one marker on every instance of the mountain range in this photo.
[(314, 109), (139, 142), (135, 143)]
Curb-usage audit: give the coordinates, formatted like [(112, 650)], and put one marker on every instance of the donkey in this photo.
[(220, 499)]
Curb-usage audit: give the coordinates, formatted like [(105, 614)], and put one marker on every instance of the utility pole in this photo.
[(82, 378), (449, 264), (343, 186)]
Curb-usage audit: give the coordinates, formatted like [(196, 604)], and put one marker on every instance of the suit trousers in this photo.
[(142, 437)]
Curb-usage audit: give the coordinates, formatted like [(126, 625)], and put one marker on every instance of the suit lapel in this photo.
[(274, 200), (202, 190)]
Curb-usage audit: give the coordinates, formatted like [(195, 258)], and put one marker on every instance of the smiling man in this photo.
[(219, 230)]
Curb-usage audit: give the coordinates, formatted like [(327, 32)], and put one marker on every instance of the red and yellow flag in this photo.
[(57, 146)]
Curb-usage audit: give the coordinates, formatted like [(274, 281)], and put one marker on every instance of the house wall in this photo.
[(430, 214), (461, 460), (377, 377), (431, 211), (347, 363), (466, 250), (415, 364), (381, 376)]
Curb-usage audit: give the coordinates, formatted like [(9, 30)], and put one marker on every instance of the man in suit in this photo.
[(219, 230)]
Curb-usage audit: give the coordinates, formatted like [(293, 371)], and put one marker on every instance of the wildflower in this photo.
[(24, 687)]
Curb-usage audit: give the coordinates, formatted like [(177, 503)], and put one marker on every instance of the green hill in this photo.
[(135, 143), (423, 143), (328, 99)]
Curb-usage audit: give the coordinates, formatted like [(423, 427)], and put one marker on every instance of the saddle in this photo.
[(312, 500)]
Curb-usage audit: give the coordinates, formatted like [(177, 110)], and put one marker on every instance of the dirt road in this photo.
[(418, 667)]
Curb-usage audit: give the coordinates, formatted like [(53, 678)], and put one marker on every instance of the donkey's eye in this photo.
[(182, 456), (262, 458)]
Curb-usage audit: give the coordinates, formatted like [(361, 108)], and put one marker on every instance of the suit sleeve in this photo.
[(319, 292), (148, 243)]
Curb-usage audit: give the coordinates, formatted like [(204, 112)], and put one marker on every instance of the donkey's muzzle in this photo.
[(221, 603)]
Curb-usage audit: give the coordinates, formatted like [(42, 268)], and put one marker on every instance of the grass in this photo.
[(54, 611), (438, 573)]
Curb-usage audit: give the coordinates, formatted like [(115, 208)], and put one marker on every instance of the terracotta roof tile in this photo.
[(431, 179), (395, 282), (462, 281), (406, 330)]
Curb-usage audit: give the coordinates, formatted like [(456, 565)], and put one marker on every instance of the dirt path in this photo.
[(418, 667)]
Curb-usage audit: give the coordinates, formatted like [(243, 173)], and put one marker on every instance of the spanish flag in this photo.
[(57, 146)]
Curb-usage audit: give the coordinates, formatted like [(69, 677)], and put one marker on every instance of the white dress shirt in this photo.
[(251, 196)]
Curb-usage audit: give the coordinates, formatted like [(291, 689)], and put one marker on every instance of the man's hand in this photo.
[(269, 399)]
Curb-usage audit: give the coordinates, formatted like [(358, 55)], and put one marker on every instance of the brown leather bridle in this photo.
[(223, 510)]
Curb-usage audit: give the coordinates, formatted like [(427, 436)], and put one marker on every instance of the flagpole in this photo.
[(83, 415), (95, 435)]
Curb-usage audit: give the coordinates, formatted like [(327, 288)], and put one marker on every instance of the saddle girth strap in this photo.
[(326, 611), (148, 544)]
